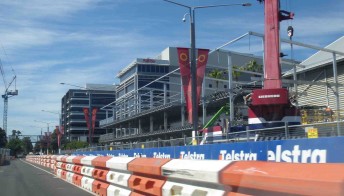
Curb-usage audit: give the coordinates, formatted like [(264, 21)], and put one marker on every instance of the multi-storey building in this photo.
[(150, 100), (72, 104)]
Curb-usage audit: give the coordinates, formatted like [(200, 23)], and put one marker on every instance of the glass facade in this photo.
[(73, 118)]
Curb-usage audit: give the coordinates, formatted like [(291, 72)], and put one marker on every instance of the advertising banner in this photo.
[(319, 150)]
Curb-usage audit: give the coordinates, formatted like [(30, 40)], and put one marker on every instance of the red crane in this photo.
[(270, 106)]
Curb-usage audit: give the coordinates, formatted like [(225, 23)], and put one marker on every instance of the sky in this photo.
[(48, 42)]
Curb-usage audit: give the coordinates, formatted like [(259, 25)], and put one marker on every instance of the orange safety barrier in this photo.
[(77, 179), (154, 176), (64, 174), (287, 178), (100, 174), (100, 188), (77, 169), (147, 176)]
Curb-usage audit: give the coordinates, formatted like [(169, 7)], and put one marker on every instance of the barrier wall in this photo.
[(105, 175), (321, 150)]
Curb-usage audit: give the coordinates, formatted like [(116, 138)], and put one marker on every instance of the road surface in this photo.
[(21, 178)]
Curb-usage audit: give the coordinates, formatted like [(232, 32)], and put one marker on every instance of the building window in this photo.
[(210, 86), (225, 86)]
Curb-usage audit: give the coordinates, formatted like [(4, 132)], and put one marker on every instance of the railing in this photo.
[(328, 129)]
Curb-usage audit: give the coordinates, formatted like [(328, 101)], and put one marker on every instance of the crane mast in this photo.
[(8, 93), (270, 106)]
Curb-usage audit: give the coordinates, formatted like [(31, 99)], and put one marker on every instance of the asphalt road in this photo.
[(22, 179)]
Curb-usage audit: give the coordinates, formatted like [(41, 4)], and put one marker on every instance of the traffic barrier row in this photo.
[(43, 160), (104, 175)]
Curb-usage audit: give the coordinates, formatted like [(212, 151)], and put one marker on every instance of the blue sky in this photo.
[(89, 41)]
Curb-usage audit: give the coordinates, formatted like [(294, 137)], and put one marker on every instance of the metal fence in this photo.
[(4, 155), (328, 129)]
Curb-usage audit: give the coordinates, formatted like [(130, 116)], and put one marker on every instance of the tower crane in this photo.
[(7, 94)]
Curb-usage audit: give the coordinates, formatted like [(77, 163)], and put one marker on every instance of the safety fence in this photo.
[(4, 156), (286, 132), (105, 175)]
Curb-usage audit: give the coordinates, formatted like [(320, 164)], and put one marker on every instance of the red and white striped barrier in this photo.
[(105, 175)]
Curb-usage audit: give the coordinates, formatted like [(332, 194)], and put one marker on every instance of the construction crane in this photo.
[(7, 94), (271, 106)]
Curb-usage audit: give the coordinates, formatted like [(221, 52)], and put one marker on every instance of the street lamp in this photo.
[(48, 140), (193, 55), (89, 92), (60, 124)]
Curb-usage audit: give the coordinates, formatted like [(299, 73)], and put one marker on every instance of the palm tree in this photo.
[(254, 66), (217, 74), (236, 74)]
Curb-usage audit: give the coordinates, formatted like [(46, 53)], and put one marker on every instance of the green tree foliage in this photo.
[(27, 145), (217, 74), (37, 148), (254, 66), (237, 74), (3, 138), (16, 146), (15, 134), (75, 145)]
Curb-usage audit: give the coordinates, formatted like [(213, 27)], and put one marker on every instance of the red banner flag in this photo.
[(58, 134), (94, 117), (185, 73), (87, 118), (202, 60)]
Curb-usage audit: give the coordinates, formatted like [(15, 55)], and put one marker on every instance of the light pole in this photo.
[(89, 92), (193, 56), (48, 139), (60, 124), (40, 138)]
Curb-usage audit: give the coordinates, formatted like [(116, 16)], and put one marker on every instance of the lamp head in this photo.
[(184, 19)]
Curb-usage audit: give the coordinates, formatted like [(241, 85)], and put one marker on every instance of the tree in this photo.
[(16, 146), (75, 145), (3, 138), (15, 134), (37, 147), (217, 74), (254, 66), (27, 145), (237, 74)]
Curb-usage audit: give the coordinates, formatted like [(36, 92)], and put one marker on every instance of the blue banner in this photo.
[(320, 150)]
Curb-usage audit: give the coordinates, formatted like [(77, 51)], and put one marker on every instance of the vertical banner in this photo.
[(87, 118), (58, 134), (202, 60), (185, 73), (94, 117)]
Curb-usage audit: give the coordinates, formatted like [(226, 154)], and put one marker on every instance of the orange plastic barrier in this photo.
[(100, 188), (147, 176), (100, 174), (77, 179), (287, 178), (154, 176)]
